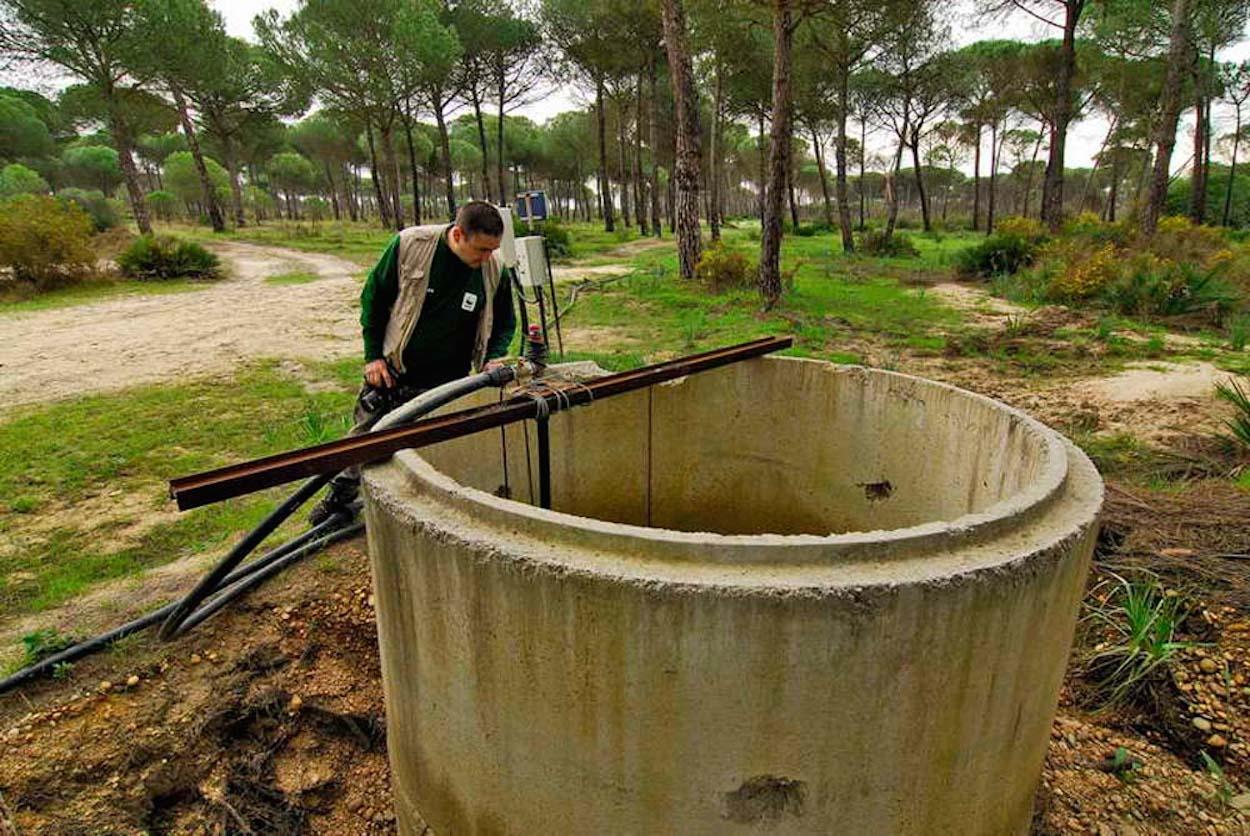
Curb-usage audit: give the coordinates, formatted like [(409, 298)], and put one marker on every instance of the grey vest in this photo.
[(417, 245)]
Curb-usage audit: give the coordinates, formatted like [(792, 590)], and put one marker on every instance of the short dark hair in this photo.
[(479, 217)]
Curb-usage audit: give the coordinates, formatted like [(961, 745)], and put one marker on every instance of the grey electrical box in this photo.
[(531, 261)]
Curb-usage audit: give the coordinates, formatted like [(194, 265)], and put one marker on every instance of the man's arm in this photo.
[(376, 299), (503, 325)]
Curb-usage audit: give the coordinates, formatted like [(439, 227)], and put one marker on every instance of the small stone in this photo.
[(1215, 741), (370, 602), (1202, 724), (1208, 666), (105, 685), (132, 681), (295, 704), (195, 659)]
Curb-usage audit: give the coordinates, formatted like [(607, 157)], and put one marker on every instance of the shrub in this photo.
[(104, 213), (1085, 273), (1151, 286), (44, 241), (813, 229), (1179, 240), (166, 257), (893, 246), (997, 255), (1239, 425), (723, 269), (1015, 226), (316, 208), (18, 179), (559, 239)]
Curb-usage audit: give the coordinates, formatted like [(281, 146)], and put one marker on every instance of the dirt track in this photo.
[(60, 353)]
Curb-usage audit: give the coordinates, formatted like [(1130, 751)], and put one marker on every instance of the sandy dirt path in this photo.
[(61, 353)]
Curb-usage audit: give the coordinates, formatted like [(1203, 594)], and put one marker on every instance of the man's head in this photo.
[(476, 233)]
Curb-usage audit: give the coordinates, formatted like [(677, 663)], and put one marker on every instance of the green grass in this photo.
[(833, 298), (295, 277), (93, 291), (1140, 623), (131, 443)]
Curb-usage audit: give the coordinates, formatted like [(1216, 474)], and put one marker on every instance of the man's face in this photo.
[(473, 249)]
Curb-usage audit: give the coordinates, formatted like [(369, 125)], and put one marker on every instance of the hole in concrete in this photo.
[(765, 798), (767, 447), (877, 491)]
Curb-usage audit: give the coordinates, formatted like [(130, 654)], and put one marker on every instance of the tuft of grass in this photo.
[(39, 645), (294, 277), (1140, 623), (1239, 425)]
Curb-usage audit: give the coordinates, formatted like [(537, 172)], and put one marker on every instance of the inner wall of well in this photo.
[(766, 446)]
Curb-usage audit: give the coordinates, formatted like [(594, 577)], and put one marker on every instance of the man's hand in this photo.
[(378, 374)]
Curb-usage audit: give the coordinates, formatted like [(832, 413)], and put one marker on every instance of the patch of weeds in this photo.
[(1138, 623), (62, 671), (693, 327), (294, 277), (39, 645), (1239, 332), (1123, 765), (1239, 425), (318, 426), (1223, 787), (23, 504)]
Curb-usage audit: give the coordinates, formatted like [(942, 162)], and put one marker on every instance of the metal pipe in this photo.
[(544, 461), (246, 477)]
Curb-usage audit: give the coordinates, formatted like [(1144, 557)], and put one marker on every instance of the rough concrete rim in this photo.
[(1068, 487), (1006, 514)]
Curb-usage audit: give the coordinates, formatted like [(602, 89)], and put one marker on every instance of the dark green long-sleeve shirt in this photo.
[(441, 346)]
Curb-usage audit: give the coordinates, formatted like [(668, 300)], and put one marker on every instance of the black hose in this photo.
[(224, 583), (210, 582), (86, 648)]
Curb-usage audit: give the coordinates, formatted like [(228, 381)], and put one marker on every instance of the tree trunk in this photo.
[(1232, 169), (374, 170), (760, 190), (444, 143), (416, 182), (863, 165), (1028, 179), (392, 166), (1198, 190), (915, 162), (481, 141), (689, 136), (622, 163), (1106, 140), (1179, 54), (1052, 186), (794, 206), (995, 151), (839, 154), (654, 142), (976, 183), (236, 189), (601, 174), (193, 145), (714, 196), (1115, 189), (824, 178), (892, 184), (639, 188), (334, 192), (778, 154)]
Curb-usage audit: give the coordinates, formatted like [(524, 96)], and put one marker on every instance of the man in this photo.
[(437, 303)]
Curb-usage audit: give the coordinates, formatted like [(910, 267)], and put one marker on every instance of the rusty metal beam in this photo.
[(247, 477)]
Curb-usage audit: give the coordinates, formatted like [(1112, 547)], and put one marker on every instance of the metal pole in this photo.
[(555, 304), (544, 461)]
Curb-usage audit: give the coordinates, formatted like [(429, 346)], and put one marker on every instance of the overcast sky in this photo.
[(1084, 137)]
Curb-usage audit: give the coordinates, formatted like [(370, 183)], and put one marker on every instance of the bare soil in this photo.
[(270, 718), (64, 352)]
